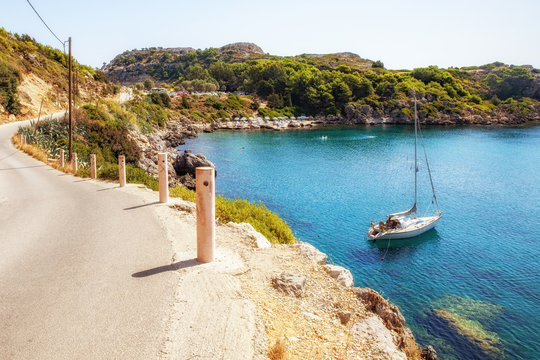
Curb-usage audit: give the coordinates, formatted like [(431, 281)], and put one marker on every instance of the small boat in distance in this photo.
[(406, 224)]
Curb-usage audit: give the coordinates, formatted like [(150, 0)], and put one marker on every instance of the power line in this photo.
[(52, 32)]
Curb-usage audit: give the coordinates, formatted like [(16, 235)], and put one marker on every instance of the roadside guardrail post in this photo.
[(122, 170), (206, 213), (74, 162), (163, 178), (61, 158), (93, 166)]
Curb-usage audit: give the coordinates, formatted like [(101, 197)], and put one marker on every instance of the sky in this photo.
[(402, 34)]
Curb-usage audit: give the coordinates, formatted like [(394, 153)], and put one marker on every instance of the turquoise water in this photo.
[(481, 262)]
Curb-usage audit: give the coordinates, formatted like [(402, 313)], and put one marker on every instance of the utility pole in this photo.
[(69, 103)]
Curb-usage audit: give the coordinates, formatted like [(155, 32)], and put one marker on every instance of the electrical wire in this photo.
[(52, 32)]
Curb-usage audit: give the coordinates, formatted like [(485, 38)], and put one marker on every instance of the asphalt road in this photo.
[(68, 250)]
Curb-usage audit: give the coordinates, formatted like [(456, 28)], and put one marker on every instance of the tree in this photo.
[(341, 93), (185, 103), (512, 82), (264, 88), (148, 84), (196, 72), (377, 64), (275, 101), (361, 87)]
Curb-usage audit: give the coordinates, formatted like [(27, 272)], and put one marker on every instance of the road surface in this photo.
[(68, 250)]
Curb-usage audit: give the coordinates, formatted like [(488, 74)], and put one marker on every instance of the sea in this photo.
[(471, 286)]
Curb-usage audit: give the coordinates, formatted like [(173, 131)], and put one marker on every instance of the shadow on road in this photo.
[(172, 267), (140, 206), (116, 187), (10, 155), (24, 167)]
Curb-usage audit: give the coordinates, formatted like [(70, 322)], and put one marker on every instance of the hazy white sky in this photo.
[(402, 34)]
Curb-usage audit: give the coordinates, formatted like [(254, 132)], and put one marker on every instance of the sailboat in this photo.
[(407, 224)]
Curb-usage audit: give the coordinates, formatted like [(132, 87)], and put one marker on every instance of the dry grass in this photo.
[(39, 154)]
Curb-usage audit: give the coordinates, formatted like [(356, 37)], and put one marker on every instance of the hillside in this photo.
[(32, 73), (342, 84)]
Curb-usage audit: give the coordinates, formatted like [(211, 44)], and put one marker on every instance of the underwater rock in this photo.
[(472, 330)]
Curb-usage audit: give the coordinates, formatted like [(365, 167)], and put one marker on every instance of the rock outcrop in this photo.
[(343, 276), (243, 49), (311, 252), (185, 165), (290, 284), (429, 353), (257, 240), (390, 314)]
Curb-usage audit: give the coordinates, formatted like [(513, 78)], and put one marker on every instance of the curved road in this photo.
[(68, 250)]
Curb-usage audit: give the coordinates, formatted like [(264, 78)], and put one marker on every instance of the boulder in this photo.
[(344, 316), (290, 284), (187, 162), (258, 240), (342, 275), (188, 181), (371, 330), (389, 313), (429, 353), (311, 252)]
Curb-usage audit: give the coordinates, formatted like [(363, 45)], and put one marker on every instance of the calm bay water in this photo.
[(480, 264)]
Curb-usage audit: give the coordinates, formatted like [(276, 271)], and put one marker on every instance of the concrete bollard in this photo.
[(93, 166), (163, 178), (122, 170), (74, 162), (206, 213), (61, 158)]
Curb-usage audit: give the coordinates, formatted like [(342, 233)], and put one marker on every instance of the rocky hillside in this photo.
[(33, 75), (342, 84)]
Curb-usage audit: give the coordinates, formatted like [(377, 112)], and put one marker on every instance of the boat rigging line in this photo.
[(427, 165)]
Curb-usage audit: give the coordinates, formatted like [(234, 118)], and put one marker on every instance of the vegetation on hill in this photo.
[(103, 128), (327, 84), (22, 57)]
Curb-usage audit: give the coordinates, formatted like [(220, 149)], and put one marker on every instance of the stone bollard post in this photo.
[(93, 166), (74, 162), (122, 170), (206, 213), (163, 178), (61, 158)]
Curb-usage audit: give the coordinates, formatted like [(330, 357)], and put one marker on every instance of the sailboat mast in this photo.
[(415, 156)]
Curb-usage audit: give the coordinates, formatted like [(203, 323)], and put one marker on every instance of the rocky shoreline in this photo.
[(181, 166), (301, 308)]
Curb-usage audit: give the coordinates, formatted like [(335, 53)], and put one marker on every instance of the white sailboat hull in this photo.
[(422, 225)]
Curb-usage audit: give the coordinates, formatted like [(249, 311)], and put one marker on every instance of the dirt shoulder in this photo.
[(233, 309)]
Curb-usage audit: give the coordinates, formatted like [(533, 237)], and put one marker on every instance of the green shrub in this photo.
[(9, 80), (223, 114), (108, 171), (138, 176), (183, 193), (263, 220)]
